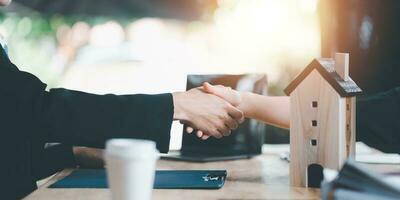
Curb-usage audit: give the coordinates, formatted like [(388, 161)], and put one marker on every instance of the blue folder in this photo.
[(164, 179)]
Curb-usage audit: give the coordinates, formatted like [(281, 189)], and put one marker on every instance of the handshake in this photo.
[(211, 110)]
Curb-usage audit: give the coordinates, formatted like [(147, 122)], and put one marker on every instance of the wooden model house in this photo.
[(322, 124)]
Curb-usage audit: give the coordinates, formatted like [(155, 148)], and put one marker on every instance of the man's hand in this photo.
[(89, 158), (206, 112)]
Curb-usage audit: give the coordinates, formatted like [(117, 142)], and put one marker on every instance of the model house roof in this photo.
[(326, 67)]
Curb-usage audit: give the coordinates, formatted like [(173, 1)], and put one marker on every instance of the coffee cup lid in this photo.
[(131, 147)]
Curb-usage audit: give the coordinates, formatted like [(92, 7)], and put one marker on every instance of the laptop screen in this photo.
[(248, 138)]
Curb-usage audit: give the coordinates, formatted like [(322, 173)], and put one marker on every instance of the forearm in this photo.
[(83, 119), (269, 109)]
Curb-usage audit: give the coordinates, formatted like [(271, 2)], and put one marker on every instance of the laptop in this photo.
[(244, 142)]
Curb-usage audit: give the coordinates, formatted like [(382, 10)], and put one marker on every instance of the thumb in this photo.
[(209, 88), (217, 91), (223, 92)]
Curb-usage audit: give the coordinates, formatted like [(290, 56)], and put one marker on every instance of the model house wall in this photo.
[(317, 135)]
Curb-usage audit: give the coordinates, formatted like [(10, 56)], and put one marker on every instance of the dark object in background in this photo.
[(244, 142), (354, 181), (369, 30), (181, 9)]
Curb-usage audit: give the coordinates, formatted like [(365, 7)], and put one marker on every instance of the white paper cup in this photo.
[(130, 167)]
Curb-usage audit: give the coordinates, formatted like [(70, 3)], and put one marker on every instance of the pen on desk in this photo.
[(285, 156)]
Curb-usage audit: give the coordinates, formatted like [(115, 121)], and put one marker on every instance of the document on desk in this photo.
[(164, 179), (354, 181), (366, 154), (393, 159)]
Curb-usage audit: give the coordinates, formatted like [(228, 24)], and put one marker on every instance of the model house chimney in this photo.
[(342, 65)]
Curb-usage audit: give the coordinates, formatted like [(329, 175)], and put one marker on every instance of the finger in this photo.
[(223, 92), (216, 133), (199, 134), (209, 88), (228, 133), (224, 130), (218, 90), (205, 137), (189, 129), (201, 88), (241, 120), (232, 123), (235, 113)]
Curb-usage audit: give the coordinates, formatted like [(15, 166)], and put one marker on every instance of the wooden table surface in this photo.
[(262, 177)]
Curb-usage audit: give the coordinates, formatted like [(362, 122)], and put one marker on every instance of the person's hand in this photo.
[(226, 93), (271, 110), (206, 112), (90, 158)]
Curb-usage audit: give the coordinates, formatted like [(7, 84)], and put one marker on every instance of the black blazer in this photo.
[(30, 116), (378, 121)]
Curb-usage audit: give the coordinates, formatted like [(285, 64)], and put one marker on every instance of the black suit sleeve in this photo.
[(78, 118), (378, 121), (47, 160)]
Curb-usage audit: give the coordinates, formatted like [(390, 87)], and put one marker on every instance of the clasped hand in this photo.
[(211, 110)]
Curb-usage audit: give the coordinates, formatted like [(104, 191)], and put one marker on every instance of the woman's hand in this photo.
[(274, 110)]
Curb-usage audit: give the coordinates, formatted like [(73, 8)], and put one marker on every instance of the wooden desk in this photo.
[(263, 177)]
